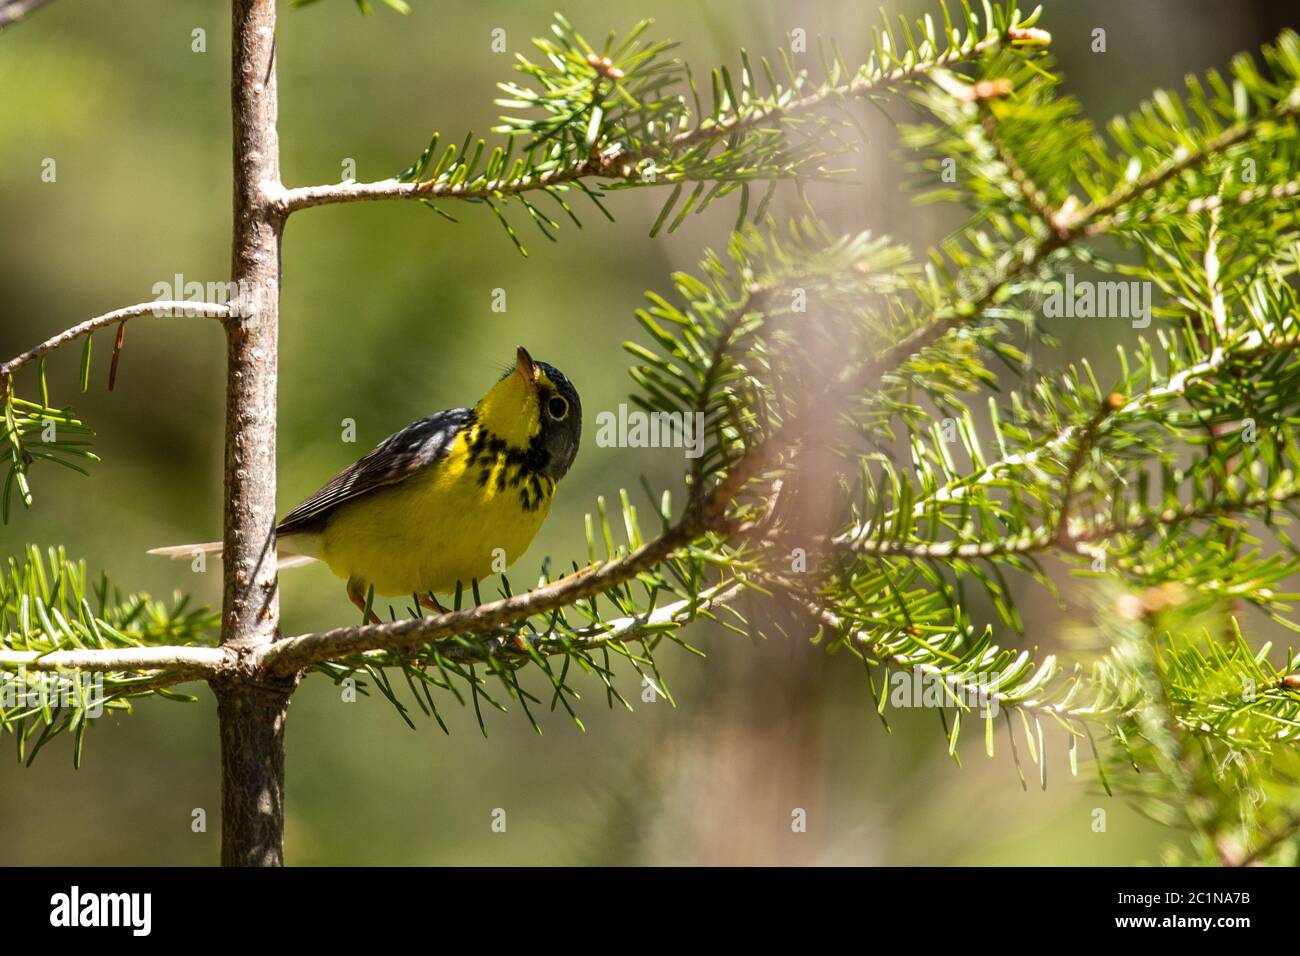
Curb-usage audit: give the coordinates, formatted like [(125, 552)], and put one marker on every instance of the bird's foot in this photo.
[(431, 603), (357, 595)]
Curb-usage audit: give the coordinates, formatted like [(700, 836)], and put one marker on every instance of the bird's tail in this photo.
[(286, 558)]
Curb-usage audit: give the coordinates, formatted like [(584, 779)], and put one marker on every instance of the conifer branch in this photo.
[(1072, 536), (1053, 700), (621, 163), (1104, 214), (1033, 195), (1251, 346), (636, 627), (855, 398), (1089, 222), (1082, 447)]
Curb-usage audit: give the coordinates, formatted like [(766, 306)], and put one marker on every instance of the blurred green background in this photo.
[(386, 316)]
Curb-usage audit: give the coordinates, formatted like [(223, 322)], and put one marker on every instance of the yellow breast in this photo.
[(472, 514)]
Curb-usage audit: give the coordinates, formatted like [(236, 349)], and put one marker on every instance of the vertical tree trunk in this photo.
[(252, 718)]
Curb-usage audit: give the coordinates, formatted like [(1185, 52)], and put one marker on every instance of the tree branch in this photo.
[(117, 316), (292, 654), (1095, 219), (194, 662), (1033, 194), (1255, 344), (11, 11), (615, 630), (623, 163), (1071, 539), (1082, 447), (1251, 346), (1103, 215), (179, 663), (871, 645)]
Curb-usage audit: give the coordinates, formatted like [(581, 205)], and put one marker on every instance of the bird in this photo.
[(444, 501)]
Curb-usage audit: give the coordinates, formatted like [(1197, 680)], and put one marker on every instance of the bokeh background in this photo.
[(386, 317)]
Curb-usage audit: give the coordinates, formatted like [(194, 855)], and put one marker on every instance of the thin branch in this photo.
[(11, 11), (1220, 199), (174, 664), (1214, 278), (194, 662), (1033, 195), (1104, 214), (292, 654), (1251, 346), (622, 163), (1095, 219), (616, 630), (859, 539), (869, 644), (1071, 539), (1286, 190), (117, 316), (1080, 456)]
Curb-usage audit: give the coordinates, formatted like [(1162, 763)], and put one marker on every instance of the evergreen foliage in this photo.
[(879, 412)]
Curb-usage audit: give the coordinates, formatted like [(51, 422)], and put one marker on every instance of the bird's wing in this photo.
[(398, 456)]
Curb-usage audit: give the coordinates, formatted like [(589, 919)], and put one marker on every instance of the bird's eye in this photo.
[(557, 408)]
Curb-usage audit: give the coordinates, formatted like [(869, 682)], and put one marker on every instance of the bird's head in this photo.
[(535, 407)]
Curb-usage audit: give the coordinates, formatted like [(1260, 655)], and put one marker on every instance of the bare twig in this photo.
[(160, 308), (195, 662), (11, 11)]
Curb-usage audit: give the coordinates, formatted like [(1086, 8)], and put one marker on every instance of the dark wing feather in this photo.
[(398, 456)]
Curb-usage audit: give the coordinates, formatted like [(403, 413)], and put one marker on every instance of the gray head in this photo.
[(561, 419)]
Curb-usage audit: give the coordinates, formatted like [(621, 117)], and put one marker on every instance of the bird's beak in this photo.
[(524, 365)]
